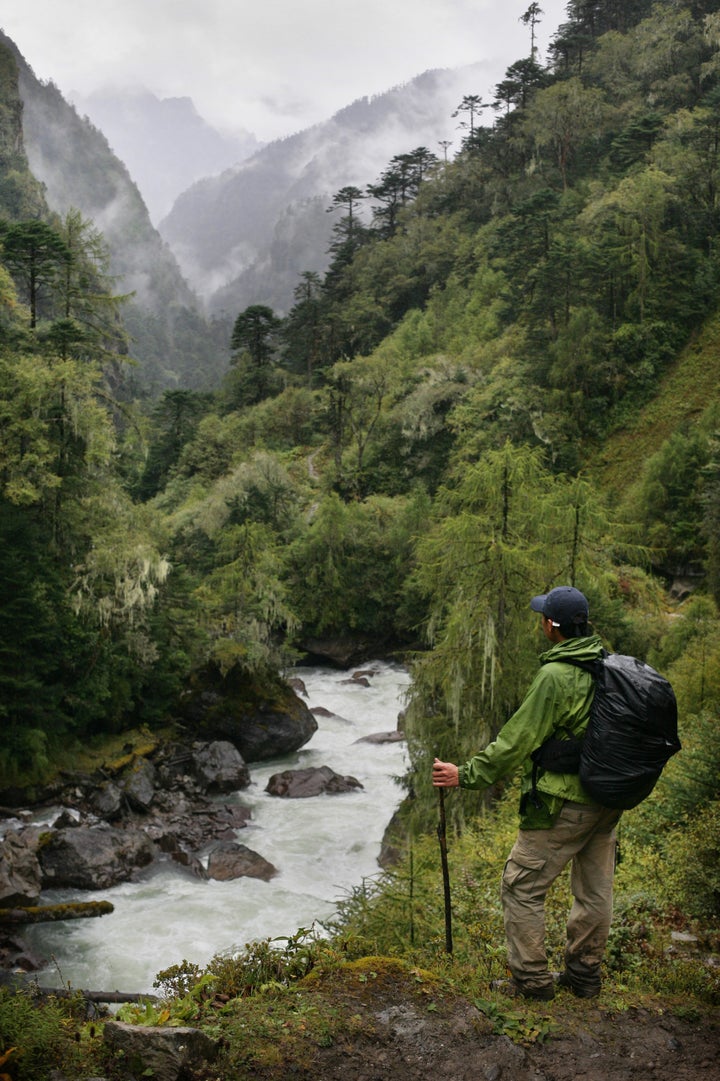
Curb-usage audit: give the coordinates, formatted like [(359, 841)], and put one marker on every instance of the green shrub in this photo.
[(40, 1036), (692, 867)]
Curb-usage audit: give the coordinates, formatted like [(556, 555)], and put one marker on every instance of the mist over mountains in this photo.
[(230, 240), (244, 237), (164, 142), (172, 342)]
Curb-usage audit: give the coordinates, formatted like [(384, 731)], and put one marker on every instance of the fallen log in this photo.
[(94, 996), (73, 910)]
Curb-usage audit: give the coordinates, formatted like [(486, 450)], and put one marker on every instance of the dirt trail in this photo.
[(407, 1033)]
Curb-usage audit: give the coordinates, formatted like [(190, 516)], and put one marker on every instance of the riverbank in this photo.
[(311, 850)]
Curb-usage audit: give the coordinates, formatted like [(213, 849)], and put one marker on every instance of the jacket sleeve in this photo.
[(529, 726)]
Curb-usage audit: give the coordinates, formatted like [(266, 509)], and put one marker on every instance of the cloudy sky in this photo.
[(271, 67)]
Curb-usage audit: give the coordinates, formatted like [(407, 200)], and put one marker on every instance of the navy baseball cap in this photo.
[(564, 605)]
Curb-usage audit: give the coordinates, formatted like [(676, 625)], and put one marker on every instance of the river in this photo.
[(322, 847)]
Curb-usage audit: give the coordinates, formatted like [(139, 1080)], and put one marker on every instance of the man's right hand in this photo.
[(445, 774)]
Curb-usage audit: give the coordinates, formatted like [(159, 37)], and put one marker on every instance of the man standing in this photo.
[(559, 823)]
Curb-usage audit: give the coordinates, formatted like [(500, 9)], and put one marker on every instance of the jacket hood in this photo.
[(580, 649)]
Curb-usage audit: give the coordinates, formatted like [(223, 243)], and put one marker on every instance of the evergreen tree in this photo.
[(36, 256), (253, 344), (303, 329)]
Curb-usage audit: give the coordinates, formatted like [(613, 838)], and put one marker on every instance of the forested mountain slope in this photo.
[(431, 435), (171, 340), (245, 237)]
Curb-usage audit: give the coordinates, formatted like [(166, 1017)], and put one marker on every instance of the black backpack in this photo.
[(631, 734)]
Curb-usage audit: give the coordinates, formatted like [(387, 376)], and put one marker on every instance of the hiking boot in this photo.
[(578, 989), (544, 993)]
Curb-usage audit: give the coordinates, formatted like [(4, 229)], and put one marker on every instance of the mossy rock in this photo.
[(261, 716)]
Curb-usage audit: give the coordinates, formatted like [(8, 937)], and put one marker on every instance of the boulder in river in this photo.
[(106, 801), (263, 718), (20, 877), (87, 858), (304, 783), (382, 737), (219, 767), (230, 860)]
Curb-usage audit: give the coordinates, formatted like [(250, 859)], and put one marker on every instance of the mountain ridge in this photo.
[(164, 142), (233, 225), (78, 170)]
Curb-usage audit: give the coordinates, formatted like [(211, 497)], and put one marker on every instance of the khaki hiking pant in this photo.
[(584, 834)]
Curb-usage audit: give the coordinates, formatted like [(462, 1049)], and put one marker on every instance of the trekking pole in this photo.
[(442, 837)]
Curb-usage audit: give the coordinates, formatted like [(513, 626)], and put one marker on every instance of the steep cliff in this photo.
[(74, 163)]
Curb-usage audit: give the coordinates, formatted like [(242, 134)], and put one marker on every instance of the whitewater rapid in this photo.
[(323, 848)]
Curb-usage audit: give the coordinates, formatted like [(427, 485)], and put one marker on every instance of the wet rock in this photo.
[(16, 957), (297, 685), (304, 783), (262, 719), (20, 874), (67, 819), (165, 1054), (107, 801), (219, 767), (344, 651), (230, 860), (87, 858), (195, 824), (170, 844), (139, 784), (382, 737)]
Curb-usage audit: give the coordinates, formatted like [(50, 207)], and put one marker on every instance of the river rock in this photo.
[(297, 685), (344, 651), (165, 1054), (219, 767), (20, 875), (382, 737), (262, 718), (15, 957), (139, 784), (183, 833), (88, 858), (230, 860), (107, 801), (303, 783)]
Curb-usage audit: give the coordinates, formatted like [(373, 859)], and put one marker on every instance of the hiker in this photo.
[(559, 822)]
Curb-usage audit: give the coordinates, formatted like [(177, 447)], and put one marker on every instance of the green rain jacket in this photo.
[(557, 703)]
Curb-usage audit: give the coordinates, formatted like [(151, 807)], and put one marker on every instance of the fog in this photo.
[(270, 69)]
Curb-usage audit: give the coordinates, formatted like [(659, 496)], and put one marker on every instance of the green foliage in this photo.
[(253, 345), (692, 869), (408, 452), (21, 195), (270, 963), (346, 569), (175, 420), (40, 1039), (507, 529), (516, 1024), (670, 500)]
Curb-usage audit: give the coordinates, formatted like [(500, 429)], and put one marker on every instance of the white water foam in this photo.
[(323, 847)]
